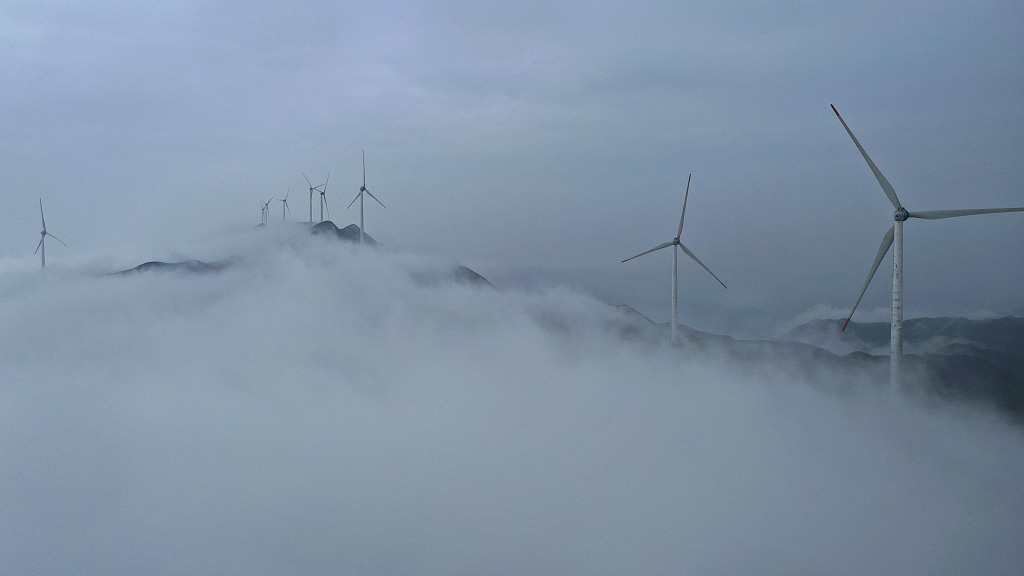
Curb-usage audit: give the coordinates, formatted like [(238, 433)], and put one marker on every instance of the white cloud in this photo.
[(316, 410)]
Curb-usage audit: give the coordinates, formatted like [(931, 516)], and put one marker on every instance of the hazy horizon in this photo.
[(610, 286)]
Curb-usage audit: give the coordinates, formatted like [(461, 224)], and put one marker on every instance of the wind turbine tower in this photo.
[(315, 189), (894, 237), (675, 264), (265, 214), (42, 235), (363, 190), (323, 199), (284, 203)]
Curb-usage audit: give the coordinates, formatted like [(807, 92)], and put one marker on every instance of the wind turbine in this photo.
[(894, 237), (675, 262), (44, 234), (265, 214), (284, 203), (359, 196), (323, 199), (311, 190)]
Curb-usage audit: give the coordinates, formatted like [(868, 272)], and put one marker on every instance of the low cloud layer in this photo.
[(315, 409)]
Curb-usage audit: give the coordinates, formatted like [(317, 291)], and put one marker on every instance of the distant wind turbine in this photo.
[(894, 237), (315, 189), (284, 203), (675, 262), (359, 196), (265, 215), (323, 199), (42, 235)]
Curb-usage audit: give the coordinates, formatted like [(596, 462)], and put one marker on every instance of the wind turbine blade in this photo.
[(658, 247), (685, 198), (325, 183), (375, 198), (38, 245), (940, 214), (697, 260), (41, 216), (886, 187), (326, 206), (354, 199), (307, 181), (882, 251), (55, 238), (364, 171)]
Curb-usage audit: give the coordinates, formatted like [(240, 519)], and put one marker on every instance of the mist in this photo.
[(318, 407)]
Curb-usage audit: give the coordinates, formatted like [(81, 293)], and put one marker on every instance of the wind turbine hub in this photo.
[(900, 215), (675, 241)]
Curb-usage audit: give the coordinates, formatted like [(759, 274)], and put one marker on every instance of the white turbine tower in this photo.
[(894, 237), (284, 203), (675, 262), (265, 213), (359, 196), (44, 234), (322, 189), (323, 199)]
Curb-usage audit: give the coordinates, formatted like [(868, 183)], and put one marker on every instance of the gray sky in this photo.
[(541, 139)]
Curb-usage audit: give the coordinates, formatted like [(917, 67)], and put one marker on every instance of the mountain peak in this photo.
[(349, 233)]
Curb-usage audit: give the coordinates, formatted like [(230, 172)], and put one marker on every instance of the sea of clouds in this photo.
[(318, 408)]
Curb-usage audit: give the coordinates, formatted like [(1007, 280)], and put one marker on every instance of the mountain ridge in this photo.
[(455, 273), (946, 359)]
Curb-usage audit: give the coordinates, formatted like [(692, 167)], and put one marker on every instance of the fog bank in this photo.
[(316, 408)]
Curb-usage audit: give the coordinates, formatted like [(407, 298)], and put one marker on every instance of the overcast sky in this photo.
[(537, 140)]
